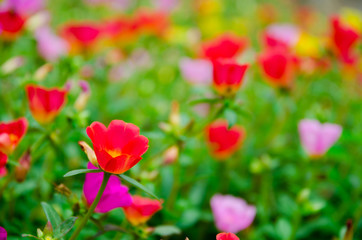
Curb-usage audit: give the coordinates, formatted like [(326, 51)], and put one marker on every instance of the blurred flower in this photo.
[(3, 233), (12, 64), (170, 155), (278, 67), (353, 18), (281, 35), (11, 24), (223, 142), (266, 13), (227, 236), (231, 214), (114, 196), (225, 46), (118, 5), (23, 7), (11, 134), (318, 138), (49, 45), (344, 39), (166, 5), (141, 210), (119, 31), (150, 22), (3, 173), (228, 77), (38, 20), (118, 147), (308, 46), (22, 169), (82, 37), (89, 152), (3, 160), (197, 71), (45, 104)]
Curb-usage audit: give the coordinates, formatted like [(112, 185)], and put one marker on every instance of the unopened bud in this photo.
[(38, 20), (349, 231), (81, 101), (89, 152), (171, 155), (22, 169), (175, 114), (12, 64), (42, 72)]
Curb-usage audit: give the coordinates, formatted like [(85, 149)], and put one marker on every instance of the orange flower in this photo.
[(150, 22), (141, 210), (223, 142), (45, 104), (11, 134), (228, 77), (118, 147)]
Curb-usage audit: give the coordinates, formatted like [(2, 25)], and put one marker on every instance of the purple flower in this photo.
[(196, 71), (231, 214), (114, 196), (23, 7), (3, 234), (50, 46), (318, 138)]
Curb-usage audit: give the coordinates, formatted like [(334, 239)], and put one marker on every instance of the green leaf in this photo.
[(51, 215), (81, 171), (205, 100), (137, 184), (64, 227), (166, 230), (29, 236)]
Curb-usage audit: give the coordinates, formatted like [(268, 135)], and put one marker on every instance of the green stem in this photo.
[(92, 207)]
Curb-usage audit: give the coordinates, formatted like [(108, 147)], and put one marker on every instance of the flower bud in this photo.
[(42, 72), (349, 232), (175, 114), (89, 152), (170, 155), (23, 168), (12, 64)]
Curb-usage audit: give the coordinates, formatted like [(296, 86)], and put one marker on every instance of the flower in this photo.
[(114, 196), (228, 77), (3, 173), (118, 147), (281, 36), (11, 24), (49, 45), (3, 160), (23, 7), (317, 138), (231, 214), (225, 46), (150, 22), (344, 38), (22, 169), (81, 37), (227, 236), (197, 71), (11, 134), (223, 142), (45, 103), (278, 67), (141, 210), (3, 233)]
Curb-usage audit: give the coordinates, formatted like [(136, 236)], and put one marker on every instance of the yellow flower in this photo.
[(353, 18), (308, 46)]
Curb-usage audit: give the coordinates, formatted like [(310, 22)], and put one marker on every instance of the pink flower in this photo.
[(3, 234), (281, 35), (227, 236), (166, 5), (318, 138), (231, 214), (50, 46), (23, 7), (114, 196), (197, 71)]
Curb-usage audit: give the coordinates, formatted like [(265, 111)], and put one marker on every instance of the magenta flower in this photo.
[(23, 7), (231, 214), (197, 71), (50, 46), (3, 234), (114, 196), (318, 138)]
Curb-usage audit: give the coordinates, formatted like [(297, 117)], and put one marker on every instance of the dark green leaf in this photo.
[(51, 215), (64, 227), (166, 230), (81, 171), (137, 184)]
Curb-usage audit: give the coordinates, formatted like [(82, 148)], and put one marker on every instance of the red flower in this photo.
[(141, 210), (278, 67), (11, 24), (228, 77), (45, 104), (223, 141), (3, 160), (150, 22), (118, 147), (344, 38), (227, 236), (82, 36), (226, 46), (119, 30), (10, 135)]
